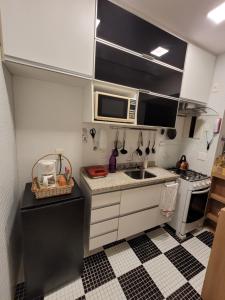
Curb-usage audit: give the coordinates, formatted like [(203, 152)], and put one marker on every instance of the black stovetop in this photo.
[(189, 175)]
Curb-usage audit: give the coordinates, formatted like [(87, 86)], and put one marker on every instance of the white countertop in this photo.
[(120, 181)]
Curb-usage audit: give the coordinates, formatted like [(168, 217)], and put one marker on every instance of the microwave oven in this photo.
[(113, 108)]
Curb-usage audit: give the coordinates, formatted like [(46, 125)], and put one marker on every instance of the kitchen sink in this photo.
[(139, 174)]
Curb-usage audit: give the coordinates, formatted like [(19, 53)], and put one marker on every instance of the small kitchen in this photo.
[(113, 138)]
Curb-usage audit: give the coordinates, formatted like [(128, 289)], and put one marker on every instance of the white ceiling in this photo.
[(185, 18)]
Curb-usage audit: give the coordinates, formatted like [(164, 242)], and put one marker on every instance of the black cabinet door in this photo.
[(126, 29), (119, 67), (156, 111), (53, 245)]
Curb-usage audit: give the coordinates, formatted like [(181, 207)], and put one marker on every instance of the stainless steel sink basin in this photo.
[(139, 174)]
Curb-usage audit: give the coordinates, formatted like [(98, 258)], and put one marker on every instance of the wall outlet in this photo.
[(59, 151), (202, 155)]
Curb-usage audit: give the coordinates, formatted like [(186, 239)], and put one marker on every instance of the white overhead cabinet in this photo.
[(54, 34), (198, 74)]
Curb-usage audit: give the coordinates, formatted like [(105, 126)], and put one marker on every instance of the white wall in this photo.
[(192, 147), (9, 233), (48, 116), (167, 151)]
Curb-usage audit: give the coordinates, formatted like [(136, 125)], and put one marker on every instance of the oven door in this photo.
[(197, 205)]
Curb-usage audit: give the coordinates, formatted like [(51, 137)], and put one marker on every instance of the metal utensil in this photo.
[(123, 150), (138, 150), (147, 149), (93, 133), (153, 147), (116, 152)]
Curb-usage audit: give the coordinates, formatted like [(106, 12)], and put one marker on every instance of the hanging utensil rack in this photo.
[(134, 128)]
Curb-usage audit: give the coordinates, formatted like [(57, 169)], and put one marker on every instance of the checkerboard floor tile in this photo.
[(144, 248), (137, 284), (155, 265), (197, 281), (111, 290), (97, 271), (167, 278), (186, 292), (198, 249), (187, 264), (162, 239), (206, 237), (122, 258)]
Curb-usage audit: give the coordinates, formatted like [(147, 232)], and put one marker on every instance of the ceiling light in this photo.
[(217, 15), (159, 51), (97, 23)]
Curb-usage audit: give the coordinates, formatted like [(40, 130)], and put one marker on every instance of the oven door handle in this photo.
[(201, 192)]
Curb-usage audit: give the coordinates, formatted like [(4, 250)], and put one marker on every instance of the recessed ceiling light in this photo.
[(217, 15), (97, 23), (159, 51)]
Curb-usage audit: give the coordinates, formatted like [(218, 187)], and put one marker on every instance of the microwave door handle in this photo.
[(201, 192)]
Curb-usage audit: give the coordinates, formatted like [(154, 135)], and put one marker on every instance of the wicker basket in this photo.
[(46, 192)]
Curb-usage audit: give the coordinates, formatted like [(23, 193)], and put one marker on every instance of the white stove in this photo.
[(191, 201)]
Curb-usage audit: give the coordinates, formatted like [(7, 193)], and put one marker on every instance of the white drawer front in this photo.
[(102, 214), (102, 240), (136, 199), (105, 199), (140, 221), (103, 227)]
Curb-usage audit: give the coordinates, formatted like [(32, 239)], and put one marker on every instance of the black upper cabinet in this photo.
[(126, 29), (119, 67), (156, 111)]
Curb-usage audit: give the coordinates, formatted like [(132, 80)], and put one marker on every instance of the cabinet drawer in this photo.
[(102, 240), (140, 221), (105, 199), (102, 214), (140, 198), (103, 227)]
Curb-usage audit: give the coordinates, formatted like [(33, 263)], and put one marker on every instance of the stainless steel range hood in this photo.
[(194, 108)]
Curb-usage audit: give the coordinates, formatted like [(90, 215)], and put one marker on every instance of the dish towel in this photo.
[(168, 199)]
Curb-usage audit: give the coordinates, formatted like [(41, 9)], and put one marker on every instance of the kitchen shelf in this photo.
[(216, 200), (217, 197), (212, 217), (217, 175)]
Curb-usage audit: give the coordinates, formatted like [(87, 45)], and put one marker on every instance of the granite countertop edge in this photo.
[(128, 183)]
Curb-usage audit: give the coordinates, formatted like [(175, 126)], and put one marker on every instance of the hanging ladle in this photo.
[(140, 142), (153, 147), (147, 149), (123, 150)]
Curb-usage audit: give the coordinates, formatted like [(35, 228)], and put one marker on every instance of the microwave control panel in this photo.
[(132, 109)]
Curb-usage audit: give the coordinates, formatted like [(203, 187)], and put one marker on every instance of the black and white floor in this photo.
[(154, 265)]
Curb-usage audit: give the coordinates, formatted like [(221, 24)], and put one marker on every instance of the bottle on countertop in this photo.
[(112, 162)]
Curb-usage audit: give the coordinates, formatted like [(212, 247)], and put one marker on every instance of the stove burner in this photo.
[(189, 175)]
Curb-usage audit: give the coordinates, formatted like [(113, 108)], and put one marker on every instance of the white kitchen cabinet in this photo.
[(198, 74), (140, 198), (103, 227), (52, 34), (105, 213), (140, 221), (120, 214), (102, 240), (106, 199)]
